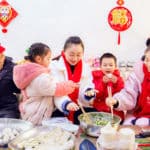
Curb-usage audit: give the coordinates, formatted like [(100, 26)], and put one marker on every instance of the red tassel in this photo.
[(118, 38), (4, 30)]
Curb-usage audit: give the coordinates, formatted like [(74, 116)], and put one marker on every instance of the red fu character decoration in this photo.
[(120, 18), (7, 14)]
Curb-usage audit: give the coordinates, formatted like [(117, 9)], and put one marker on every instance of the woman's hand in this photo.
[(72, 107), (90, 92)]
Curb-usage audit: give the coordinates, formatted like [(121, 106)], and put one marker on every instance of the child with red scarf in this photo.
[(70, 66), (136, 94), (107, 76)]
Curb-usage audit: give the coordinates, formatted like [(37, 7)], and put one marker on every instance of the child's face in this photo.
[(45, 61), (74, 54), (147, 60), (108, 65)]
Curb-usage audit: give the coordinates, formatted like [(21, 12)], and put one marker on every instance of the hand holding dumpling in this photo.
[(90, 93)]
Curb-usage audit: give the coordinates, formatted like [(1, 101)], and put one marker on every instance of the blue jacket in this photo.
[(8, 99)]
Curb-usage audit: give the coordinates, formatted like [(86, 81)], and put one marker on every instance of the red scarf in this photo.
[(75, 76), (143, 107)]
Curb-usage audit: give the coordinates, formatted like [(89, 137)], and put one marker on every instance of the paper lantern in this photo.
[(120, 18)]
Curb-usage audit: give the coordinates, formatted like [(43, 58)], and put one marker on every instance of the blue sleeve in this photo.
[(64, 107)]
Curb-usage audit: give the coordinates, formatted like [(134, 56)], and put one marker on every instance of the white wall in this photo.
[(52, 21)]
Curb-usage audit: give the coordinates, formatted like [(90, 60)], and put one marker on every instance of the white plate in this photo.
[(34, 135), (63, 123), (9, 124), (56, 120)]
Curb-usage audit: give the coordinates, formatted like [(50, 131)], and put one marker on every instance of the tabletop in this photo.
[(81, 136)]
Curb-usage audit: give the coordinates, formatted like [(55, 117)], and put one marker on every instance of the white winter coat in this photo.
[(59, 71)]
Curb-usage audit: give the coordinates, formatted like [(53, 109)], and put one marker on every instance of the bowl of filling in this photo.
[(92, 122)]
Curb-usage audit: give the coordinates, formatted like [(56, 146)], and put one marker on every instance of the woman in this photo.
[(70, 66), (8, 98)]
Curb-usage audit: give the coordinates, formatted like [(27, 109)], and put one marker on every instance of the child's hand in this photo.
[(106, 79), (72, 84), (113, 79), (110, 101), (72, 107), (65, 88)]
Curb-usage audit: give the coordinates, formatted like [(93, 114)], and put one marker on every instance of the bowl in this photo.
[(11, 128), (98, 120)]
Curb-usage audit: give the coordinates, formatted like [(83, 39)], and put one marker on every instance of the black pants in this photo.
[(9, 114), (57, 113)]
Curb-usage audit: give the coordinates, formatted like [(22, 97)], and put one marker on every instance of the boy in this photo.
[(107, 76)]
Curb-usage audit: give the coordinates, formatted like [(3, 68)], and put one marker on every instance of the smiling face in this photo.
[(108, 65), (74, 53)]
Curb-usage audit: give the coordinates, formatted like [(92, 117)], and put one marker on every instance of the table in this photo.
[(81, 136)]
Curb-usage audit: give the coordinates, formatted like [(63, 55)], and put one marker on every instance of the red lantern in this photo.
[(120, 19), (7, 14)]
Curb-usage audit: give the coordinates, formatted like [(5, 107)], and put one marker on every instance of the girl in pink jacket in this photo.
[(136, 94), (39, 86)]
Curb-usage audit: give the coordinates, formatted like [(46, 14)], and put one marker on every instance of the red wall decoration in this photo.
[(7, 14), (120, 18)]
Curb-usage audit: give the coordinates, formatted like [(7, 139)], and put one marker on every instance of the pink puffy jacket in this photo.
[(38, 88)]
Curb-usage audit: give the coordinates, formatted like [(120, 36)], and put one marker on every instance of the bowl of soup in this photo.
[(95, 120)]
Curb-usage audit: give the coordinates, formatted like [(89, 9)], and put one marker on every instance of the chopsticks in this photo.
[(87, 118), (110, 96)]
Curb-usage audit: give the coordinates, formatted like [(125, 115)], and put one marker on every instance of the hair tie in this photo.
[(27, 50)]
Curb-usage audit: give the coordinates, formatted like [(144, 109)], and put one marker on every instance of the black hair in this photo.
[(73, 40), (37, 49), (69, 41), (148, 42), (108, 55), (148, 45), (147, 50)]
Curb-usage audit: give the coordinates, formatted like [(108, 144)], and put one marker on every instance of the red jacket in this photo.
[(99, 102), (143, 104)]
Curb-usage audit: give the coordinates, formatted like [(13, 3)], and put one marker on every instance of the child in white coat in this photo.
[(39, 86)]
